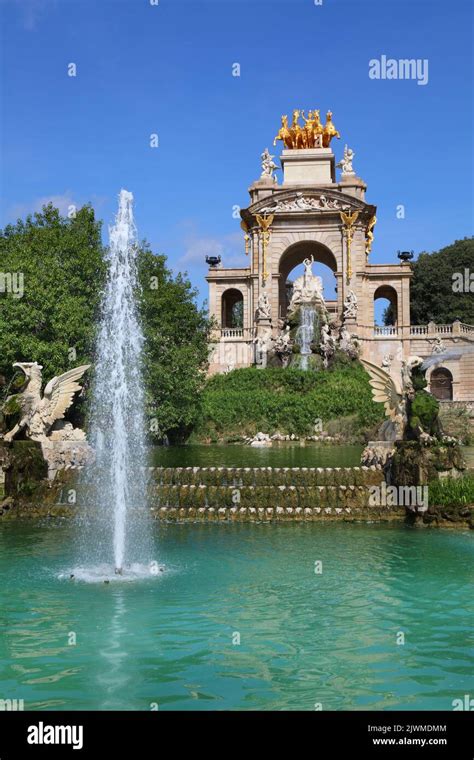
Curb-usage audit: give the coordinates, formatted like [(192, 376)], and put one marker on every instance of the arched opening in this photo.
[(441, 384), (291, 267), (232, 309), (385, 307)]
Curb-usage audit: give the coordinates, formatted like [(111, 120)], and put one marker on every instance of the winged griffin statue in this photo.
[(397, 398), (38, 414)]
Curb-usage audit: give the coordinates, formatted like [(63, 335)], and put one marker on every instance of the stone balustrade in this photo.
[(432, 329), (422, 331), (236, 332), (390, 331)]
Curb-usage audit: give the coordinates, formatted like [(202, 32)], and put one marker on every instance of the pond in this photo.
[(240, 620), (278, 455)]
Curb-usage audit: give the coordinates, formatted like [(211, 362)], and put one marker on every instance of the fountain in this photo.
[(116, 483), (306, 332), (307, 301)]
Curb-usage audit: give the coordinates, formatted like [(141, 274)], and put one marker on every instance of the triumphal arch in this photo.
[(315, 215)]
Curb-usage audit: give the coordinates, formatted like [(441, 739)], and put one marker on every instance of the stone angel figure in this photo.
[(268, 165), (263, 307), (326, 346), (263, 344), (39, 413), (350, 305), (437, 345), (348, 343), (346, 162), (283, 347)]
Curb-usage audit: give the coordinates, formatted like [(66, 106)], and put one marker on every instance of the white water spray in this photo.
[(305, 333), (436, 359), (116, 481)]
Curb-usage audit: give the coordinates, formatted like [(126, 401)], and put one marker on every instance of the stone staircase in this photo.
[(265, 493)]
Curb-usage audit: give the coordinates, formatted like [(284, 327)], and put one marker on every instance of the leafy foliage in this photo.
[(288, 400), (457, 422), (389, 316), (177, 336), (63, 264), (432, 295), (424, 412), (452, 492), (238, 314)]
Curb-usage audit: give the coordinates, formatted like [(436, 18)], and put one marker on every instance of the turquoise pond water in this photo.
[(305, 638), (278, 455)]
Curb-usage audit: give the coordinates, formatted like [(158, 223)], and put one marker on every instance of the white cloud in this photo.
[(230, 247), (31, 10), (198, 248), (62, 202)]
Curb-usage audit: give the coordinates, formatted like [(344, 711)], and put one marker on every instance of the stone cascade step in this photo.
[(247, 493), (239, 477), (351, 510), (273, 497)]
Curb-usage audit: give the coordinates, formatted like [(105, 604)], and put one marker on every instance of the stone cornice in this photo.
[(235, 273), (304, 201), (382, 271)]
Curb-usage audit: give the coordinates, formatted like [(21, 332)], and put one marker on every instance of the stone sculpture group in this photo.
[(331, 336), (41, 416), (311, 134)]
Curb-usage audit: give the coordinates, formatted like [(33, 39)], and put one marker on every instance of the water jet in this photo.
[(116, 482)]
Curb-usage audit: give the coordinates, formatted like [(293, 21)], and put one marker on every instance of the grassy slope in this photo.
[(245, 401)]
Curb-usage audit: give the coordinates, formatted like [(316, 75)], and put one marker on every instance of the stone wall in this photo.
[(414, 464), (220, 494), (22, 468), (266, 494)]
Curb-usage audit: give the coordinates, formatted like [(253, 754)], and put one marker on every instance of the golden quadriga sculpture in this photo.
[(311, 134)]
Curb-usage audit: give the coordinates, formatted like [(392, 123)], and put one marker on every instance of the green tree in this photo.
[(388, 316), (62, 265), (238, 314), (177, 335), (433, 297)]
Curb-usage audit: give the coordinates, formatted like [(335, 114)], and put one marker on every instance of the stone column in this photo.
[(404, 314)]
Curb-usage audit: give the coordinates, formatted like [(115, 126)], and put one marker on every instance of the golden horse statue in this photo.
[(329, 131), (284, 134), (311, 135), (297, 132)]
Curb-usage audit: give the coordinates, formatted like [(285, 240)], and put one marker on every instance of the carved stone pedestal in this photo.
[(313, 166), (64, 455)]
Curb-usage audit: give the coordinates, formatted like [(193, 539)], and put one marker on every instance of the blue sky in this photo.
[(167, 69)]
